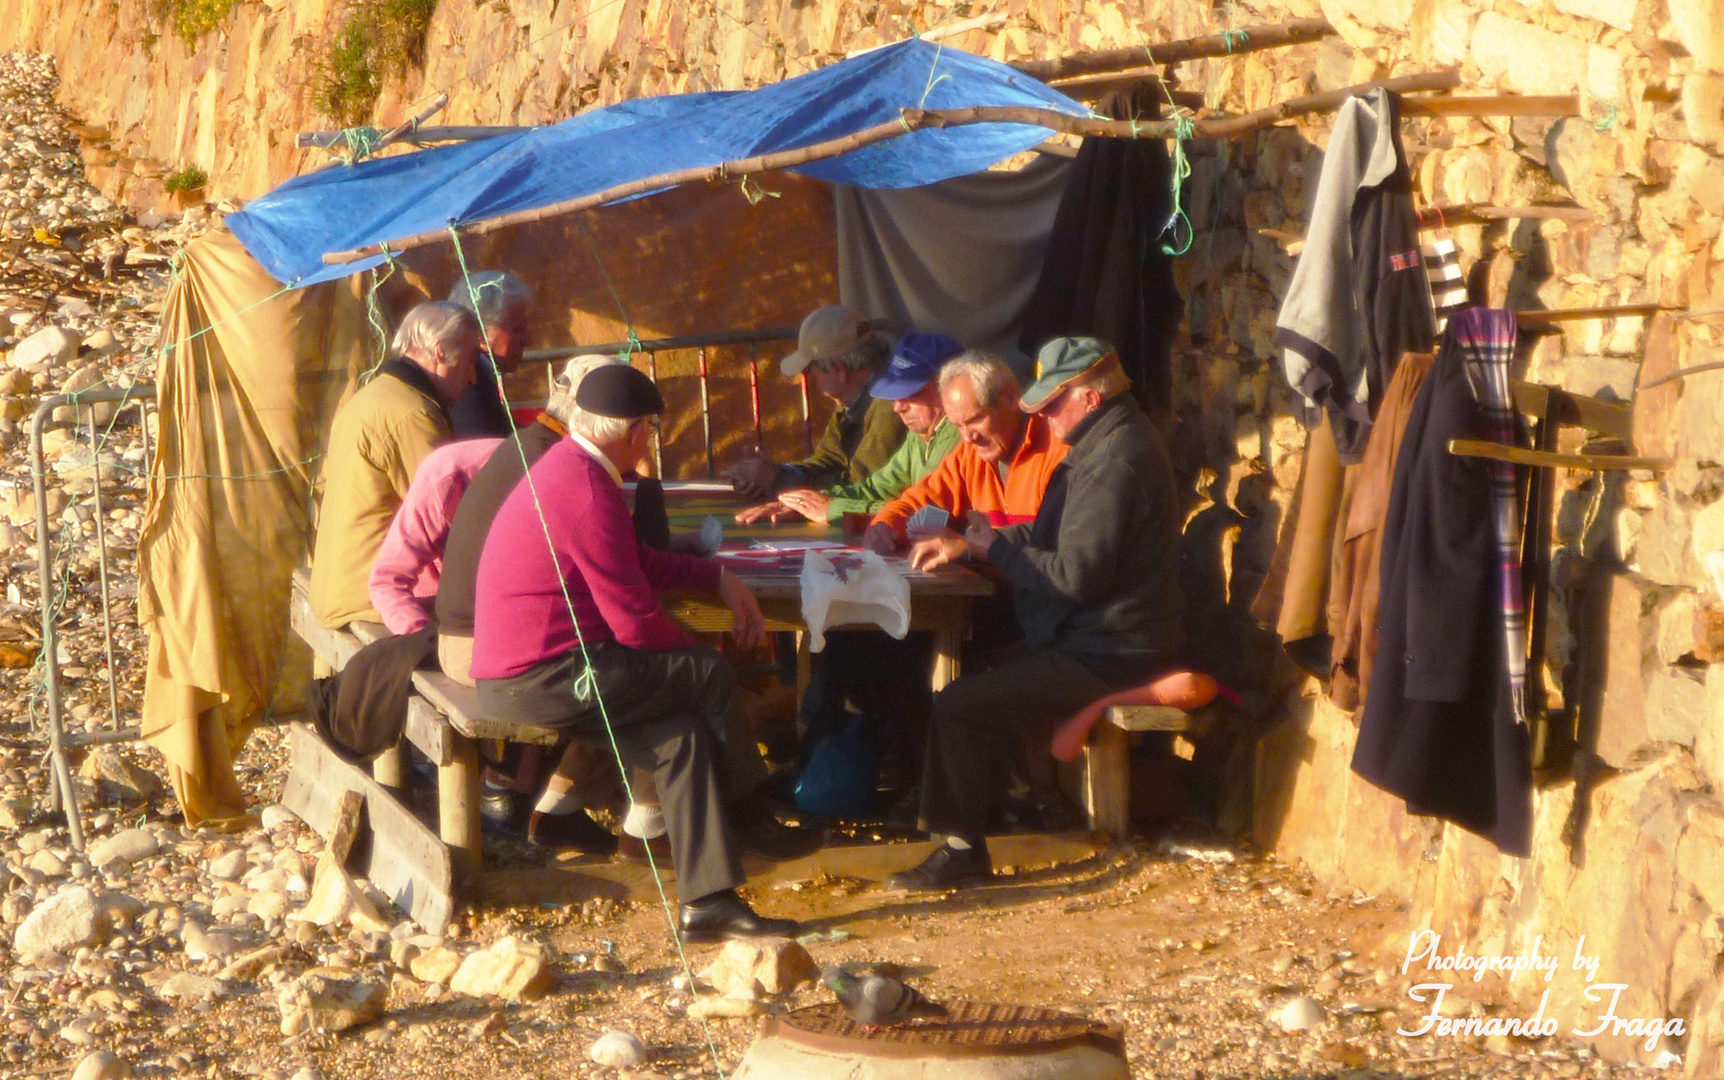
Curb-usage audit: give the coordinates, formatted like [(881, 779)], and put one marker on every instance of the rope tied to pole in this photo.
[(1183, 131), (1234, 40), (361, 142)]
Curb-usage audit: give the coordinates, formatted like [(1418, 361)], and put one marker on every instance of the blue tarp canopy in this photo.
[(344, 207)]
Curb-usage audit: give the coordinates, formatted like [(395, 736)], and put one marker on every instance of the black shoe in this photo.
[(634, 849), (759, 833), (574, 831), (946, 868), (504, 813), (724, 916)]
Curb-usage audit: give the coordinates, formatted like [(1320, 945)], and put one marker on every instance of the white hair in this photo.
[(988, 374), (432, 324), (498, 292), (561, 405), (600, 429)]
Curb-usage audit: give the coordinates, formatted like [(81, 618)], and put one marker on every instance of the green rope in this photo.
[(633, 339), (1607, 122), (1231, 40), (1184, 130), (585, 686), (361, 142)]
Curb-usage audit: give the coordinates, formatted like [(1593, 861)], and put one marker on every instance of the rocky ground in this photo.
[(165, 952)]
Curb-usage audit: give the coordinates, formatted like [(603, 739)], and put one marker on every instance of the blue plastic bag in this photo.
[(839, 779)]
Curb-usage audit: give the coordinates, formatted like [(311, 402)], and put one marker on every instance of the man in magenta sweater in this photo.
[(568, 632)]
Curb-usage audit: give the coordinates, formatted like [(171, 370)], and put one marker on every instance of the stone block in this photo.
[(1443, 30), (1664, 552), (1622, 712), (1709, 743), (1675, 640), (1675, 705), (1703, 109), (510, 969), (1708, 632), (1606, 79), (1699, 26), (775, 965), (327, 1000), (65, 921), (1617, 13), (1527, 58), (1608, 377)]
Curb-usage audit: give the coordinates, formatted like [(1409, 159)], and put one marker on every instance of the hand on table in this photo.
[(807, 502), (754, 475), (881, 539), (749, 628), (933, 553), (771, 511)]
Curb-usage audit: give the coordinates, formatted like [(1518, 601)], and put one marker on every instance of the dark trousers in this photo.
[(667, 710), (974, 730), (880, 675)]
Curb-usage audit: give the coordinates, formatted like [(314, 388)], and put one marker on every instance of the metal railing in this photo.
[(62, 795)]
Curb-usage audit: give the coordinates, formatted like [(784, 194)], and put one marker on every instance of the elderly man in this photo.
[(1095, 582), (379, 437), (569, 632), (843, 354), (500, 301), (1002, 464), (910, 384)]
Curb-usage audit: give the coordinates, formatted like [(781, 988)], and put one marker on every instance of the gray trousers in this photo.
[(667, 710), (974, 728)]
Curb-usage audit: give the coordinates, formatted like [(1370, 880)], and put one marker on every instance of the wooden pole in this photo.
[(1251, 39), (1622, 311), (329, 139), (1479, 448), (914, 120), (1494, 105), (438, 134)]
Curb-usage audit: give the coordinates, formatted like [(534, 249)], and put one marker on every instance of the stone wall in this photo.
[(1629, 825)]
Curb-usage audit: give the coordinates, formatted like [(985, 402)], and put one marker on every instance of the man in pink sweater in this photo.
[(410, 562), (568, 632)]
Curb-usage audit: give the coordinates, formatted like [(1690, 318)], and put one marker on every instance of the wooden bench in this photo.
[(443, 721), (1104, 782)]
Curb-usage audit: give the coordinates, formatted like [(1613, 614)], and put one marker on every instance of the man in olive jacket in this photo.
[(1096, 591)]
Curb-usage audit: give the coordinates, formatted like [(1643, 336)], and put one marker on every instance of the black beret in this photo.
[(620, 392)]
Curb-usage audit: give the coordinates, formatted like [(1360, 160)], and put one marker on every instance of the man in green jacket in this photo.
[(843, 354), (911, 385)]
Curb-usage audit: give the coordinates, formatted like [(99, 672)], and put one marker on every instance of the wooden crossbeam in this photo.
[(1494, 105), (1550, 459), (1250, 39), (1095, 87), (916, 120), (1537, 316)]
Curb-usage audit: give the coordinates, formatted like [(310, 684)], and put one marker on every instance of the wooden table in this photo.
[(940, 602)]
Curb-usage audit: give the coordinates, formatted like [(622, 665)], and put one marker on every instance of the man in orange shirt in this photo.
[(1001, 467)]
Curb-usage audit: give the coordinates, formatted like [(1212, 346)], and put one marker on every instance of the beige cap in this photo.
[(827, 332)]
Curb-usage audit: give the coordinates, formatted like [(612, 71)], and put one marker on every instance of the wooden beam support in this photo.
[(1477, 213), (1231, 42), (1517, 455), (1538, 316), (328, 140), (913, 120), (1494, 105)]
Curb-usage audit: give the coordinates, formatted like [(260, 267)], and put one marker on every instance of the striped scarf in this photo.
[(1484, 341)]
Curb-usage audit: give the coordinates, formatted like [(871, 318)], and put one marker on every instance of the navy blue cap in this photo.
[(915, 361)]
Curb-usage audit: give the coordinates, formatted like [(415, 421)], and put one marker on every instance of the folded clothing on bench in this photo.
[(361, 710)]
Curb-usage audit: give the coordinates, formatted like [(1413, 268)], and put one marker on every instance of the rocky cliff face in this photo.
[(1628, 834)]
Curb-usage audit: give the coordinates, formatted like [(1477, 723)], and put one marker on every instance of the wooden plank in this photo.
[(1618, 311), (348, 810), (1575, 410), (1095, 87), (428, 729), (461, 705), (1494, 105), (1107, 780), (1148, 718), (333, 647), (1480, 448), (405, 858)]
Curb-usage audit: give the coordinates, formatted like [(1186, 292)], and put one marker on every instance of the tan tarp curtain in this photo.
[(244, 411)]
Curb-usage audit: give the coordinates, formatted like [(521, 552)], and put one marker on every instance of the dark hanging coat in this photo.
[(1438, 729), (1105, 274)]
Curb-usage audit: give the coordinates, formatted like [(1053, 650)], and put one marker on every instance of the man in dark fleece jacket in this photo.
[(1096, 590)]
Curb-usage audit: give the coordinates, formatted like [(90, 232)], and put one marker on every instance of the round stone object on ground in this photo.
[(974, 1041)]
